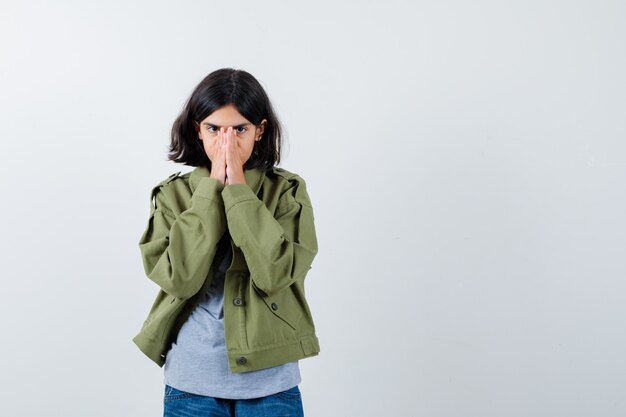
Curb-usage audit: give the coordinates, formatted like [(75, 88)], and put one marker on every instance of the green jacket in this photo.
[(267, 321)]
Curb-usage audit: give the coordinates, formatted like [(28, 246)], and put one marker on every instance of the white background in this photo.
[(466, 162)]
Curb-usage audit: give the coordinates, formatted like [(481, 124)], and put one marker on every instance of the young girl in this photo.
[(229, 244)]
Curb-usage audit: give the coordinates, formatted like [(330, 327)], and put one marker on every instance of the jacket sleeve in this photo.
[(279, 249), (177, 251)]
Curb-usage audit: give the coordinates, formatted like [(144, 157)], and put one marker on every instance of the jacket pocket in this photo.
[(285, 306), (164, 307)]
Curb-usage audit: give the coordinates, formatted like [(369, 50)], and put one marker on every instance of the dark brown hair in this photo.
[(221, 87)]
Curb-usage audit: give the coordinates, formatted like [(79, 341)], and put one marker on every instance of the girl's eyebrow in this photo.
[(212, 125)]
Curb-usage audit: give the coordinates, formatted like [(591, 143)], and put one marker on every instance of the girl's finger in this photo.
[(222, 140), (229, 139)]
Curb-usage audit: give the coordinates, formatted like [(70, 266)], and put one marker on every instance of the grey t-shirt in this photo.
[(197, 361)]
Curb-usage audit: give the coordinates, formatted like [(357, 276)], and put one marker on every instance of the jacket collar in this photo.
[(254, 177)]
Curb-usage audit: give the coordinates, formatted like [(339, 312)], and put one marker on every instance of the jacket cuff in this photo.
[(235, 193), (209, 188)]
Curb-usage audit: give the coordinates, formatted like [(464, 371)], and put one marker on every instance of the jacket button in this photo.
[(237, 301), (241, 360), (274, 306)]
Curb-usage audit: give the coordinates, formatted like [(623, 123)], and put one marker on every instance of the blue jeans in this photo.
[(177, 403)]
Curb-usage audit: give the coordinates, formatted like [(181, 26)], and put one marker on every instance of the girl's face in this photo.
[(244, 132)]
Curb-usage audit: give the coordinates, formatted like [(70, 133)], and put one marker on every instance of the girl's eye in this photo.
[(240, 129)]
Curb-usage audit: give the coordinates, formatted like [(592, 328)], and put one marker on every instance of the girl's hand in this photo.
[(218, 164), (234, 160)]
